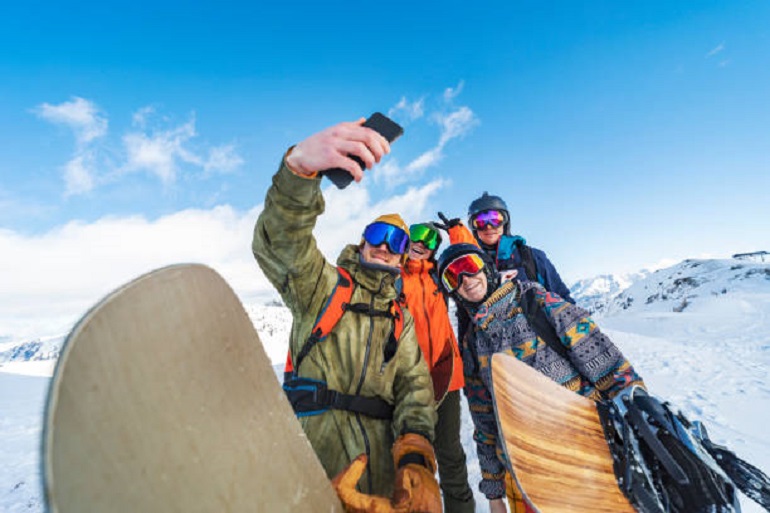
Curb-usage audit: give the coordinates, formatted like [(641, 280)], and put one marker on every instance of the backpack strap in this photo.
[(528, 262), (327, 319), (313, 397), (310, 397)]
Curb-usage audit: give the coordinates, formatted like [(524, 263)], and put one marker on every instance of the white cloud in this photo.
[(456, 124), (50, 279), (81, 115), (139, 118), (79, 174), (717, 49), (406, 111), (161, 151), (452, 93), (223, 159), (453, 125)]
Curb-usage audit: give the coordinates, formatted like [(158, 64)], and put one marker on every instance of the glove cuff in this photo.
[(414, 448), (412, 457)]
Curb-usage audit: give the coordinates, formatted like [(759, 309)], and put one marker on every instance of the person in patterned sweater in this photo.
[(591, 365)]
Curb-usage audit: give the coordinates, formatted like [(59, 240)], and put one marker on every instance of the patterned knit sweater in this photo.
[(595, 368)]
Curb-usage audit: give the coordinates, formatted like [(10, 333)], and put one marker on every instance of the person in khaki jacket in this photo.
[(370, 415)]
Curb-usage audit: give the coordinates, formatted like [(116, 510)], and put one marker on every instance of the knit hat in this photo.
[(393, 219)]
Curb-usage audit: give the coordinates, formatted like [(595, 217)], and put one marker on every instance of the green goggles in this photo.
[(425, 234)]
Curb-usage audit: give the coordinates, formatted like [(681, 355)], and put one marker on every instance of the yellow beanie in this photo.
[(393, 219)]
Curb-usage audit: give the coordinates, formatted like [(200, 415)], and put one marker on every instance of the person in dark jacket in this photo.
[(372, 420), (589, 364), (490, 222)]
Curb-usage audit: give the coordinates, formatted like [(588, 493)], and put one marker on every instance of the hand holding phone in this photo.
[(384, 126)]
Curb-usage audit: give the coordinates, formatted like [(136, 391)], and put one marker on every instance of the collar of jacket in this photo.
[(377, 279), (418, 266)]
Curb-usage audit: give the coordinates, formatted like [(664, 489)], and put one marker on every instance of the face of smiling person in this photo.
[(418, 251), (473, 288), (380, 255), (490, 235)]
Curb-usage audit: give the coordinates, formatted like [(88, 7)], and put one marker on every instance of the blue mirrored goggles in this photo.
[(396, 238)]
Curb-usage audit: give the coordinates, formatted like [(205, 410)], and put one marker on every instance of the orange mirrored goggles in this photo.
[(468, 264)]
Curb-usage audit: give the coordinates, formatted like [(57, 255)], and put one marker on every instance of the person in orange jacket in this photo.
[(428, 307)]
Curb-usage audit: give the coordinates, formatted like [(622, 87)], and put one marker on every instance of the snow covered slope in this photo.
[(698, 332)]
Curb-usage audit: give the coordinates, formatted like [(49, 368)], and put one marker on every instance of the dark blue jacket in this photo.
[(507, 257)]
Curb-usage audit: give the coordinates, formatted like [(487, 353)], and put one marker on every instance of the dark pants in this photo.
[(452, 470)]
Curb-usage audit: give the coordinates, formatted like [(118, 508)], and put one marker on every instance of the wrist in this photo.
[(296, 167)]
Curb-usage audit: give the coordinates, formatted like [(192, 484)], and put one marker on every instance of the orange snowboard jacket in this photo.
[(429, 309)]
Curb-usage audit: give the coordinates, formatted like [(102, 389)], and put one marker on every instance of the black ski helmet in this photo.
[(487, 202), (456, 250)]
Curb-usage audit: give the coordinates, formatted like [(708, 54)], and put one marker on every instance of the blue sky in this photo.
[(139, 134)]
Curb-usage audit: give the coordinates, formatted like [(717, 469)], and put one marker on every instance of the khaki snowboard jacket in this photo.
[(351, 359)]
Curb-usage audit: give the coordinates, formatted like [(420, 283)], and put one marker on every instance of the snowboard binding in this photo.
[(666, 464)]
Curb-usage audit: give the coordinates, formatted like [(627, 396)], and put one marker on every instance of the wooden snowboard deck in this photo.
[(554, 442), (163, 400)]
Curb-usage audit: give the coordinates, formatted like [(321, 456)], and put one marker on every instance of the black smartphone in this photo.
[(384, 126)]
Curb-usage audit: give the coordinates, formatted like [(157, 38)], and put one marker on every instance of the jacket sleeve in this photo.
[(592, 352), (415, 409), (461, 234), (283, 242), (552, 280)]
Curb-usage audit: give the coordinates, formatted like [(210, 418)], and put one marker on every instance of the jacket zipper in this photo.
[(361, 384), (427, 318)]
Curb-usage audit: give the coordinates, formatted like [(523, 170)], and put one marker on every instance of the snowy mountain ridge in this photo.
[(677, 288), (39, 349), (672, 289), (594, 293)]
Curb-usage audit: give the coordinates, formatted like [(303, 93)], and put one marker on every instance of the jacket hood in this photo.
[(373, 277)]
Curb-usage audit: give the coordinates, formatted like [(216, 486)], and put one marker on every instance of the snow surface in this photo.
[(698, 332)]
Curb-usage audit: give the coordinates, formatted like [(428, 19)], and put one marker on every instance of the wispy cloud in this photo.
[(714, 51), (405, 111), (151, 145), (163, 152), (159, 152), (79, 173), (450, 93), (81, 115), (453, 125), (88, 124)]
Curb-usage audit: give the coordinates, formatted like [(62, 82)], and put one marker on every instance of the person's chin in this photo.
[(383, 261), (476, 293)]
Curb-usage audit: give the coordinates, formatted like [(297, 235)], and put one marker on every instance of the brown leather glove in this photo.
[(416, 488), (354, 501)]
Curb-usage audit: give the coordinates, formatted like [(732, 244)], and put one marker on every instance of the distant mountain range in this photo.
[(594, 293), (672, 289), (46, 348)]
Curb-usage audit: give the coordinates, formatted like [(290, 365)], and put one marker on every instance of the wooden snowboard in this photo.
[(163, 400), (554, 442)]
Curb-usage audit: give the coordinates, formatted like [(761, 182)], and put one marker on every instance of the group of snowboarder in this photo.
[(376, 386)]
